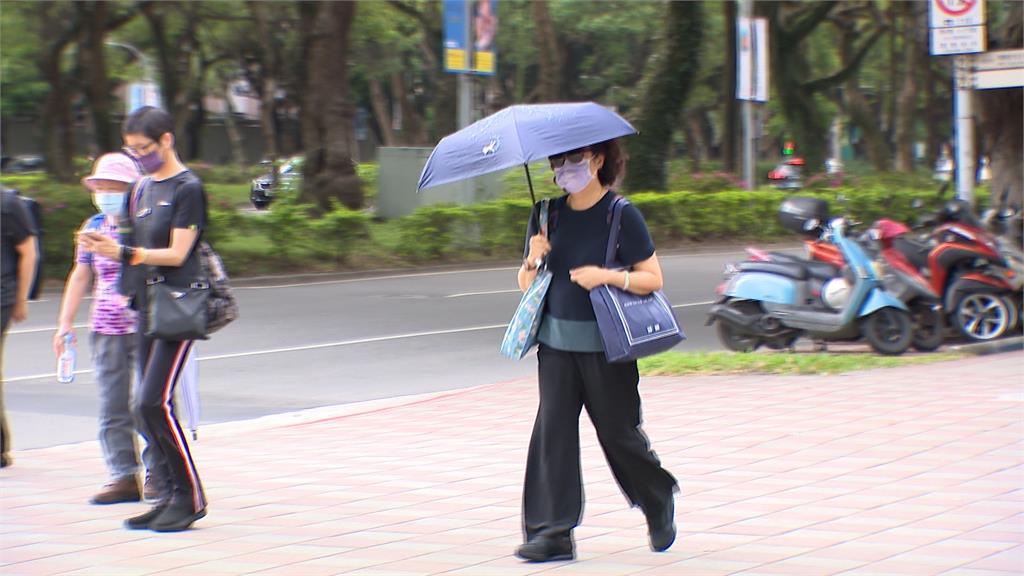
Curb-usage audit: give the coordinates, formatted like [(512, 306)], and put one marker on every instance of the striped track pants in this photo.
[(176, 474)]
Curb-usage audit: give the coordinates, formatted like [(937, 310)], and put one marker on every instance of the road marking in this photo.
[(302, 348), (694, 304), (372, 278), (460, 295), (50, 329), (337, 344)]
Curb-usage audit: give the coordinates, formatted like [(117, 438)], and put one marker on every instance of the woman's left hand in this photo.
[(589, 277), (100, 244)]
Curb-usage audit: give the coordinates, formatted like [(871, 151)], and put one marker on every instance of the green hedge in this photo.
[(498, 228), (287, 237)]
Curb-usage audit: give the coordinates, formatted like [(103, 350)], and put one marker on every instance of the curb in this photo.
[(985, 348)]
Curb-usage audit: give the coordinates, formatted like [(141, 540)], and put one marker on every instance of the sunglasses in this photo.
[(140, 151), (558, 160)]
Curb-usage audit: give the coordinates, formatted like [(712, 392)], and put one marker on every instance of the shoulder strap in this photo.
[(615, 212), (133, 200), (542, 219)]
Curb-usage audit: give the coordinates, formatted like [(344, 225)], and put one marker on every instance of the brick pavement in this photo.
[(916, 470)]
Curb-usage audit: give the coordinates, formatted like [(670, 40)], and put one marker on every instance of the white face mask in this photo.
[(110, 203), (573, 177)]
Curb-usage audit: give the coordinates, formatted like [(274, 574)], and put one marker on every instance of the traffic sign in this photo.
[(960, 40), (953, 13)]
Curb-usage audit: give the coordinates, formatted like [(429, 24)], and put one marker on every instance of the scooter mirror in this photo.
[(810, 224)]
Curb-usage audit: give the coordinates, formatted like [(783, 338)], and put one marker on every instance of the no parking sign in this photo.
[(957, 26)]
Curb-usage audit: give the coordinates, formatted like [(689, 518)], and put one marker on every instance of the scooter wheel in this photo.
[(981, 316), (929, 328), (889, 331), (732, 338)]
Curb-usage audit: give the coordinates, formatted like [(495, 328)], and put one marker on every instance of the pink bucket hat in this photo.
[(114, 166)]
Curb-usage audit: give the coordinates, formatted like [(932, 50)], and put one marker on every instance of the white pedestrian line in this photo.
[(694, 304), (372, 278), (301, 348), (337, 344), (47, 329), (462, 294)]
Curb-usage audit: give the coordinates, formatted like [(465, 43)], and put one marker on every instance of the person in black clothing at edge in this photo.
[(572, 369), (18, 258), (167, 221)]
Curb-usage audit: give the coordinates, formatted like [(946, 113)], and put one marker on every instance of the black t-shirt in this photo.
[(15, 226), (162, 206), (580, 238)]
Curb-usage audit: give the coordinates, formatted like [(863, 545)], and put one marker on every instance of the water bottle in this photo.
[(66, 361)]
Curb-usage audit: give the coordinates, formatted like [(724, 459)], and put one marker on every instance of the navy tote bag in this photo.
[(632, 326)]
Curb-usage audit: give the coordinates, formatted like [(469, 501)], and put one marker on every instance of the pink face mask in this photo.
[(573, 177)]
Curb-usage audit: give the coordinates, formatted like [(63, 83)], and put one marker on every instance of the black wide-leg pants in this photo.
[(163, 362), (553, 492)]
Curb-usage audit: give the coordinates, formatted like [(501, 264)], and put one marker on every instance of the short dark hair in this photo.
[(149, 121), (614, 167)]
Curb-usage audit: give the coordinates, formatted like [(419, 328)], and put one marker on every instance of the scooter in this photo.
[(773, 303)]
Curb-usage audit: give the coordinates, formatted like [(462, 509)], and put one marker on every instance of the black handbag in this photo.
[(177, 311)]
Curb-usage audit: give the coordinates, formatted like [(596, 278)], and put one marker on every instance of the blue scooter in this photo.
[(774, 303)]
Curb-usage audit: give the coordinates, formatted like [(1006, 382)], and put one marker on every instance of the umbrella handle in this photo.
[(529, 182)]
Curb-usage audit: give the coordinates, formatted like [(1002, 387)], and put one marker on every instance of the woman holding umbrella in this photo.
[(573, 371)]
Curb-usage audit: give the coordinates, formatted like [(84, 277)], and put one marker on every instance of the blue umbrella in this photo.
[(519, 135)]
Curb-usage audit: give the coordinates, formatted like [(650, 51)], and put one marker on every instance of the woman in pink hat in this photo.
[(112, 327)]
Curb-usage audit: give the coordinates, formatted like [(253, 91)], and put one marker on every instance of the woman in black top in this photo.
[(168, 217), (572, 369)]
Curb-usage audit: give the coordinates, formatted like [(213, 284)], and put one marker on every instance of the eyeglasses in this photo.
[(139, 152), (558, 160)]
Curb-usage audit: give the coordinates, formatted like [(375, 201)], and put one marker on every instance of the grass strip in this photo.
[(683, 363)]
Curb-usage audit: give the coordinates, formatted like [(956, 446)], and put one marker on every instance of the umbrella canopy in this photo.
[(517, 136)]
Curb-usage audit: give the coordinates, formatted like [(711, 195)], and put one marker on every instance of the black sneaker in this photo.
[(142, 521), (547, 549), (176, 519), (661, 527)]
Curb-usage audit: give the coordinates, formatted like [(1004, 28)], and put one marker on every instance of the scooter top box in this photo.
[(795, 212)]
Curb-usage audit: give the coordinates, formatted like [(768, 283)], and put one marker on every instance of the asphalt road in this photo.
[(318, 341)]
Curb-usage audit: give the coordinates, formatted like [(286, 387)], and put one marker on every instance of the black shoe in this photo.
[(142, 521), (547, 549), (176, 519), (662, 527)]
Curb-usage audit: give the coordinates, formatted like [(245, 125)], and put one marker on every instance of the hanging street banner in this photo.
[(752, 59), (957, 26), (480, 30)]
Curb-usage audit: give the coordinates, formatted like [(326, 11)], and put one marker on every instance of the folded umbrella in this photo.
[(519, 135), (189, 390)]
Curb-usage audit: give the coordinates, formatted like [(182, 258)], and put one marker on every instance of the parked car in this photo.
[(264, 189), (26, 163)]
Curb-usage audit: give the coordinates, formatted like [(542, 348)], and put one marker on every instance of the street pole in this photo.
[(465, 78), (964, 129), (746, 11), (465, 103)]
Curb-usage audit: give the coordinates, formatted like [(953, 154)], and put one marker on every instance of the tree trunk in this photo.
[(1002, 114), (379, 104), (414, 132), (230, 126), (694, 140), (731, 109), (329, 171), (548, 53), (913, 25), (860, 113), (268, 80), (57, 122), (92, 58), (670, 78)]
